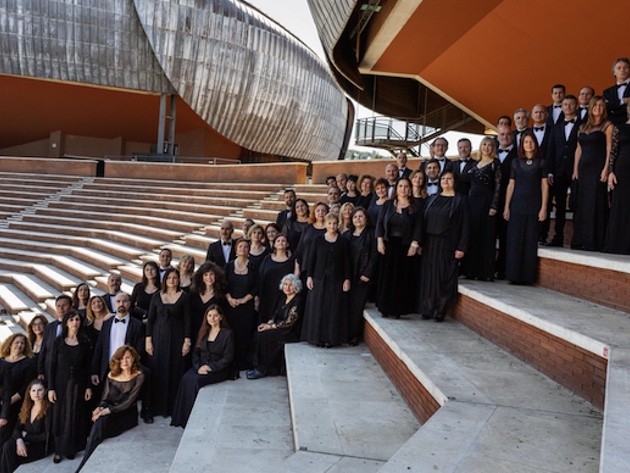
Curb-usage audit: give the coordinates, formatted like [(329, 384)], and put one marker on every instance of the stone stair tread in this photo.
[(612, 262), (160, 196), (237, 426), (328, 414), (14, 300), (33, 287)]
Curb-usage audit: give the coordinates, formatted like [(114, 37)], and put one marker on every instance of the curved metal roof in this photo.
[(247, 77)]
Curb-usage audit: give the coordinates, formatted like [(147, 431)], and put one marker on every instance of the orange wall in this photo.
[(71, 167)]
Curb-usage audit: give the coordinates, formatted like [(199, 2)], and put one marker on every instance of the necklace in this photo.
[(529, 162), (240, 268)]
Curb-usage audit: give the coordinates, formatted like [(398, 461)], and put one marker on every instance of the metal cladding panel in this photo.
[(331, 18), (98, 42), (247, 77)]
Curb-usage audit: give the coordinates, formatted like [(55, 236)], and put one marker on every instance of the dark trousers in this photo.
[(501, 254), (557, 193)]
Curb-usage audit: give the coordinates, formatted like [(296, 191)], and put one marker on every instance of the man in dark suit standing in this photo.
[(558, 91), (463, 166), (403, 170), (507, 153), (540, 129), (63, 305), (223, 250), (618, 95), (521, 120), (114, 283), (122, 329), (584, 97), (440, 147), (560, 158), (165, 258), (283, 215)]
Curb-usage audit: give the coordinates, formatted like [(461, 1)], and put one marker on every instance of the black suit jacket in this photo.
[(44, 359), (545, 141), (448, 165), (463, 178), (550, 116), (506, 167), (412, 230), (406, 173), (134, 337), (282, 217), (560, 151), (215, 253), (616, 110), (108, 302)]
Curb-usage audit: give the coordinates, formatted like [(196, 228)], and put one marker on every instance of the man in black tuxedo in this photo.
[(165, 258), (558, 91), (618, 95), (283, 215), (584, 97), (560, 158), (114, 283), (440, 147), (507, 153), (63, 305), (223, 250), (463, 166), (432, 170), (122, 329), (403, 170), (521, 120), (540, 129), (391, 174)]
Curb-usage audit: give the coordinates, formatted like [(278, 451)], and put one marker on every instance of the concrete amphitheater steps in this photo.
[(489, 410), (158, 197)]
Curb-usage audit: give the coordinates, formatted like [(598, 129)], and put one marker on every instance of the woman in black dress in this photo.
[(345, 217), (143, 291), (35, 333), (96, 314), (592, 162), (483, 199), (618, 235), (366, 187), (525, 207), (258, 250), (212, 363), (398, 231), (168, 342), (419, 186), (271, 271), (186, 268), (297, 222), (380, 197), (117, 412), (242, 282), (364, 254), (270, 337), (31, 436), (315, 228), (80, 298), (352, 194), (16, 351), (70, 388), (208, 288), (271, 232), (328, 281), (446, 221)]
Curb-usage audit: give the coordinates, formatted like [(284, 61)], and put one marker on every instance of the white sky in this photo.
[(295, 16)]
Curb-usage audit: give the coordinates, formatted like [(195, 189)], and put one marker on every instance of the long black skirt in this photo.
[(326, 314), (187, 393), (397, 279), (358, 297), (522, 249), (268, 350), (438, 277)]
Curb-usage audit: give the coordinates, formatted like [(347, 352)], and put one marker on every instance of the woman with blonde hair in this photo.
[(186, 268), (345, 218), (96, 315)]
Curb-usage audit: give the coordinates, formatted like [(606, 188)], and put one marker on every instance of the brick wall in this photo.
[(419, 400), (602, 286), (578, 370)]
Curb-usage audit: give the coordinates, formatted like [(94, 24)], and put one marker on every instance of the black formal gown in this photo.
[(256, 260), (523, 227), (70, 377), (365, 201), (304, 247), (242, 319), (36, 437), (591, 214), (268, 346), (270, 273), (446, 223), (168, 325), (326, 313), (120, 398), (219, 356), (197, 310), (140, 302), (374, 209), (22, 373), (293, 231), (485, 187), (364, 257), (618, 235), (397, 281)]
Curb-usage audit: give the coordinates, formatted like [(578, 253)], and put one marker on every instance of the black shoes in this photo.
[(254, 374), (426, 317), (57, 458), (147, 417)]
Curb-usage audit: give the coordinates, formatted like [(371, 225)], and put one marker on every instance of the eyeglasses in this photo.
[(38, 324)]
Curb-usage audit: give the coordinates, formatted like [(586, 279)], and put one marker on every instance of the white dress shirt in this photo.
[(118, 334)]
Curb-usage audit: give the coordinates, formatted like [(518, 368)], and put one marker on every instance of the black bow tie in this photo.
[(504, 150), (432, 184), (622, 84), (520, 132), (116, 320), (557, 106), (566, 122), (539, 128), (227, 243)]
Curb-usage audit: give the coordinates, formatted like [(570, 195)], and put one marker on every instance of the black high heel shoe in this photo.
[(57, 458)]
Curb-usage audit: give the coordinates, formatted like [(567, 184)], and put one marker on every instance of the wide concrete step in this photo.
[(484, 409), (38, 179), (160, 196), (33, 287), (145, 448), (69, 264), (260, 215), (25, 192), (30, 222), (15, 301), (237, 426), (166, 184), (343, 404)]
